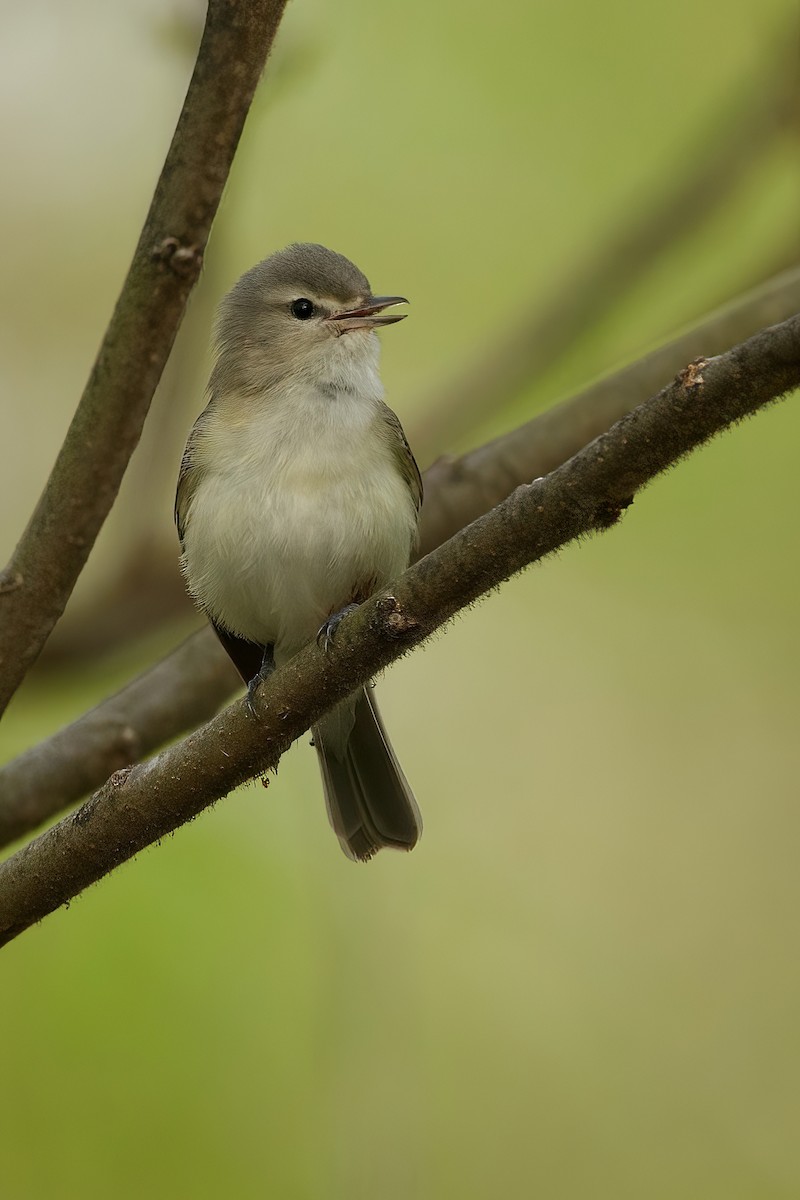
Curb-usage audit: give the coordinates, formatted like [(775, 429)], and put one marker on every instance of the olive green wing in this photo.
[(405, 459), (188, 475), (246, 656)]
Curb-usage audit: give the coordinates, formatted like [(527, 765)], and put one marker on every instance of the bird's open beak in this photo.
[(369, 315)]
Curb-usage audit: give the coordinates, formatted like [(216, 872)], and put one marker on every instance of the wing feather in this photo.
[(187, 475), (405, 459)]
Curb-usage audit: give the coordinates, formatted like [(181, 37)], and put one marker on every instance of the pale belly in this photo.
[(271, 558)]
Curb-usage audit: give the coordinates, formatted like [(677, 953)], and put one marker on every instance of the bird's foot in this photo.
[(327, 631), (264, 672)]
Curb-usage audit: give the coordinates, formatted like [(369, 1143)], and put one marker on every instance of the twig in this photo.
[(38, 580), (589, 492), (191, 683), (177, 694), (540, 337)]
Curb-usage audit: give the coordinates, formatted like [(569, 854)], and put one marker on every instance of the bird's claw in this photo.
[(327, 631), (252, 688), (265, 670)]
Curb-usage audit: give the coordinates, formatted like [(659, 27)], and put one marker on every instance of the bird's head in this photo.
[(305, 313)]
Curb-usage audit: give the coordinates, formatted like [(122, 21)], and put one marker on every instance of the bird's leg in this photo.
[(327, 631), (264, 672)]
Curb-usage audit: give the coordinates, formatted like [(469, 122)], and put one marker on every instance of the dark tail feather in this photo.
[(369, 802)]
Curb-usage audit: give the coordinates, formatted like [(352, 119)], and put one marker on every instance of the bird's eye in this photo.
[(302, 309)]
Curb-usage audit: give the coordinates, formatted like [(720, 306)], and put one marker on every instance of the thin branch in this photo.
[(192, 682), (145, 588), (175, 695), (539, 338), (588, 493), (39, 579)]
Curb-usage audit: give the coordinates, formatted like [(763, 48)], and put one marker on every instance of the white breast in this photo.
[(300, 502)]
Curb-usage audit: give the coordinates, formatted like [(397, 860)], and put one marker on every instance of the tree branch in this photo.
[(139, 805), (176, 694), (191, 683), (39, 579)]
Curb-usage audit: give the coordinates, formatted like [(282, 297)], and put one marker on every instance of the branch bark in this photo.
[(588, 493), (41, 574), (191, 683), (179, 692)]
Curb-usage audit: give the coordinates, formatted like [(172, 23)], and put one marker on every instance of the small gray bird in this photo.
[(298, 497)]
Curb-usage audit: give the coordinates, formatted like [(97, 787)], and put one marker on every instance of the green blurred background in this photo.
[(584, 982)]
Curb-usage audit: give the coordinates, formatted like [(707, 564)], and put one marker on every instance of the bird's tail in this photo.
[(369, 802)]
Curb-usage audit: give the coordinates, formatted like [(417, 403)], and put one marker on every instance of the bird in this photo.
[(298, 498)]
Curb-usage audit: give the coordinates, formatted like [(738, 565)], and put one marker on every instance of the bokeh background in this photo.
[(585, 980)]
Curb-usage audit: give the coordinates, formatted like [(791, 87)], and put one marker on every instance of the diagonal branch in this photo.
[(175, 695), (589, 492), (191, 683), (39, 579)]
